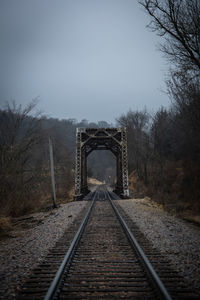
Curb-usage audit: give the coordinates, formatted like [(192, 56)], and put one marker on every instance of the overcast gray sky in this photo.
[(90, 59)]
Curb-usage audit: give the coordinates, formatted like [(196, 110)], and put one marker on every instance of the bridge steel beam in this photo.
[(90, 139)]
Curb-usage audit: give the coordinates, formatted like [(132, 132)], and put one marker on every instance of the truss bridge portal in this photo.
[(90, 139)]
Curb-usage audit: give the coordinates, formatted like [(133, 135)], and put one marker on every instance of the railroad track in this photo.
[(105, 261)]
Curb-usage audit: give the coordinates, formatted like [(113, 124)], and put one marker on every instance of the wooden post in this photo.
[(52, 173)]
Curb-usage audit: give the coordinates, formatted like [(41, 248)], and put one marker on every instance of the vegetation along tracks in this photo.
[(105, 261)]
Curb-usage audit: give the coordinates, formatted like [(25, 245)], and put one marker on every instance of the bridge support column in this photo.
[(124, 164), (119, 184), (78, 167), (84, 186)]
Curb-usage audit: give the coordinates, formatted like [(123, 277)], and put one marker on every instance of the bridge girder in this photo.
[(90, 139)]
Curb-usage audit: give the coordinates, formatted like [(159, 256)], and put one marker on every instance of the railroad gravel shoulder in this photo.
[(29, 243), (177, 239)]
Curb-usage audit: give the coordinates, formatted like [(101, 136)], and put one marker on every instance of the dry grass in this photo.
[(136, 186), (71, 195), (172, 195), (94, 181), (5, 226)]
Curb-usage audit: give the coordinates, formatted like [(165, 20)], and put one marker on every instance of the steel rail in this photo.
[(55, 283), (159, 284)]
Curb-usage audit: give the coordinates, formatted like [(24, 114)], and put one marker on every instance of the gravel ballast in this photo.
[(25, 250), (177, 239)]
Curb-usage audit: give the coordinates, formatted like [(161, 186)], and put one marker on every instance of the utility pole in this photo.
[(52, 173)]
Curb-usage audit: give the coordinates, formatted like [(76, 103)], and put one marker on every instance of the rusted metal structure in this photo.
[(90, 139)]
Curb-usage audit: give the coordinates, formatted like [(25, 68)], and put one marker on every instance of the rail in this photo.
[(148, 266), (55, 283), (51, 293)]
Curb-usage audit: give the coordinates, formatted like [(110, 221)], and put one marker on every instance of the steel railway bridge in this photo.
[(90, 139)]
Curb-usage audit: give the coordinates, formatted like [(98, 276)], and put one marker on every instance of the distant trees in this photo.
[(186, 106), (162, 146), (102, 166), (178, 23), (24, 164), (137, 123), (162, 157), (24, 158), (19, 136), (164, 150)]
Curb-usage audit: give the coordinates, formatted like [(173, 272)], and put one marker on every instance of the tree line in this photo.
[(164, 149)]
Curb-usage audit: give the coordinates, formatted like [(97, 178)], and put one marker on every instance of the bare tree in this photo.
[(186, 106), (178, 22), (162, 138), (19, 134), (137, 123)]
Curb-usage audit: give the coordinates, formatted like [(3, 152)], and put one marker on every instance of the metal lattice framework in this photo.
[(90, 139)]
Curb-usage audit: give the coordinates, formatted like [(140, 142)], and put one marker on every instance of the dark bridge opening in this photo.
[(90, 139), (101, 165)]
